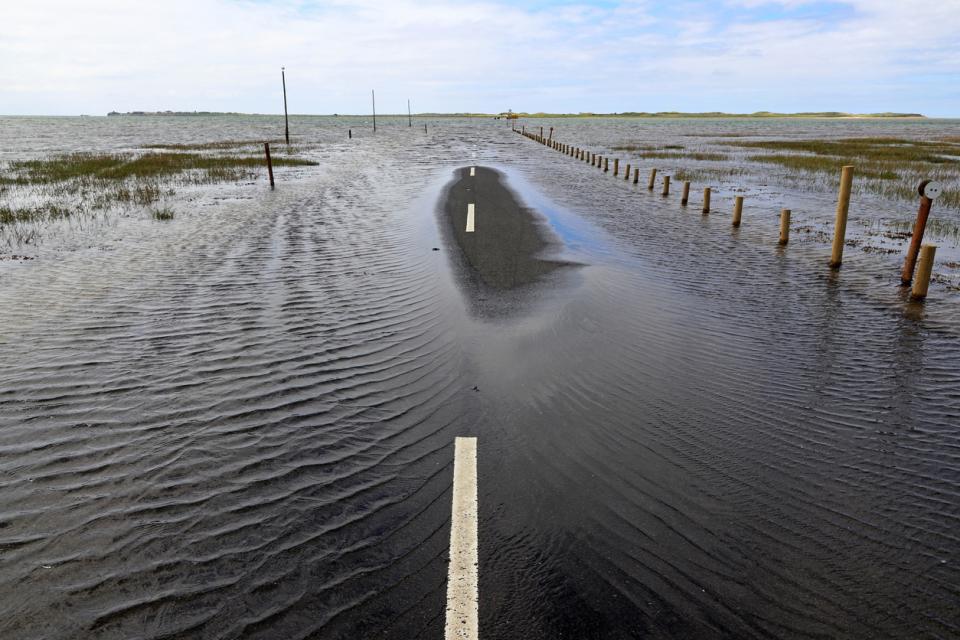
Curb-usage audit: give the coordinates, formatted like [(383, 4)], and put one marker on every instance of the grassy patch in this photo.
[(219, 145), (674, 155), (89, 166), (165, 213), (874, 149)]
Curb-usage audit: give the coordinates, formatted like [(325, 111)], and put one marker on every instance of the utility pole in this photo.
[(286, 119), (373, 98), (409, 115)]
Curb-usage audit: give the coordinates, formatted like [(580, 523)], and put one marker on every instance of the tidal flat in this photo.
[(238, 421)]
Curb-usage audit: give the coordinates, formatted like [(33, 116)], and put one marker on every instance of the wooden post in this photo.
[(626, 174), (924, 271), (606, 165), (409, 114), (686, 194), (286, 119), (653, 179), (666, 186), (616, 167), (373, 99), (424, 127), (551, 133), (706, 200), (636, 175), (266, 149), (541, 132), (737, 210), (917, 239), (784, 226), (843, 207), (350, 134)]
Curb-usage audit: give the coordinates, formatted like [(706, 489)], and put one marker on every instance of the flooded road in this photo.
[(241, 424)]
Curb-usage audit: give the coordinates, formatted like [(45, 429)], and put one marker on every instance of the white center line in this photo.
[(473, 171), (462, 578), (470, 218)]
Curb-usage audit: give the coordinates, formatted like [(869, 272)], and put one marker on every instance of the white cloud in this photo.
[(68, 57)]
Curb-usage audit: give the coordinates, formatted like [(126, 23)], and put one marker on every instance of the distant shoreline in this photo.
[(834, 115)]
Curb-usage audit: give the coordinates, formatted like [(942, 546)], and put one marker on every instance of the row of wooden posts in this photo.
[(927, 252)]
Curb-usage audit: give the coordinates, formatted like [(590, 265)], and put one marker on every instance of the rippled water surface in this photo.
[(239, 424)]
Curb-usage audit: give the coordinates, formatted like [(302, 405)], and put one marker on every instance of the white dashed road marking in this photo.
[(462, 578), (470, 218)]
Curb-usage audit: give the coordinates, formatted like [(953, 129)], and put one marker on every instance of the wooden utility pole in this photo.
[(286, 119)]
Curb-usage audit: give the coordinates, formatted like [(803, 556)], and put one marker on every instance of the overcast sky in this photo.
[(94, 56)]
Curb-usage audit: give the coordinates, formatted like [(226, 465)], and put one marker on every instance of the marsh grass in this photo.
[(62, 186), (218, 145), (86, 167), (890, 167)]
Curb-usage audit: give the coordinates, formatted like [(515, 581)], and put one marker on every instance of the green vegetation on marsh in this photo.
[(891, 167)]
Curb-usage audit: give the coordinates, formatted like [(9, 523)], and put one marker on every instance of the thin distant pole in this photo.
[(409, 115), (286, 119), (373, 98)]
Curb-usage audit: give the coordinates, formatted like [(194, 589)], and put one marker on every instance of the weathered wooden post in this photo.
[(409, 114), (706, 200), (666, 186), (541, 133), (551, 133), (928, 191), (785, 226), (424, 127), (843, 208), (373, 102), (737, 210), (286, 119), (616, 167), (626, 173), (686, 194), (636, 175), (266, 149), (606, 165), (350, 134), (924, 271), (653, 179)]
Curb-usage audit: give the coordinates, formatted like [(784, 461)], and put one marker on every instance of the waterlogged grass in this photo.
[(39, 191), (86, 167), (14, 215), (218, 145), (891, 167)]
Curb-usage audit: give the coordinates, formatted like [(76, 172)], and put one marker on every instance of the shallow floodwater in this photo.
[(240, 423)]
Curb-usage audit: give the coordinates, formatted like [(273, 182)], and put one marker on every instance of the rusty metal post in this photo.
[(926, 189), (266, 149)]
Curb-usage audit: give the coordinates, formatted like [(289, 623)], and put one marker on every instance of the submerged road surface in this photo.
[(242, 423)]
